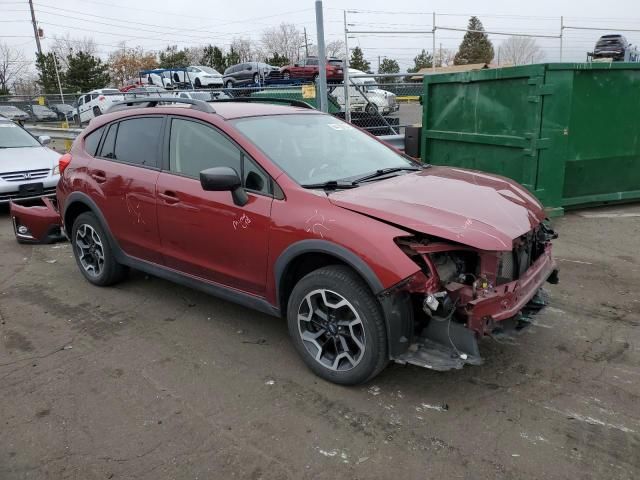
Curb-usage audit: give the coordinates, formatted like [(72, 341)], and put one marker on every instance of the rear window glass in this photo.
[(138, 141), (92, 140)]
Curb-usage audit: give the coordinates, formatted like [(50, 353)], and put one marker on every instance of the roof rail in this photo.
[(199, 105), (288, 101)]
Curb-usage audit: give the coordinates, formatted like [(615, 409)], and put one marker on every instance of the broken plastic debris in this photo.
[(362, 459), (374, 390), (67, 347), (515, 454), (463, 356), (270, 382), (51, 261), (439, 408)]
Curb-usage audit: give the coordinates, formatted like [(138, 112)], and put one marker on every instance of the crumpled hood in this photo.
[(473, 208), (27, 158)]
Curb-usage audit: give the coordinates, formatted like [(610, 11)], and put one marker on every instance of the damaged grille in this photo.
[(514, 264)]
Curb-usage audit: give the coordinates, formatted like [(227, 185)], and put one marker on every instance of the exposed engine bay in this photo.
[(462, 294)]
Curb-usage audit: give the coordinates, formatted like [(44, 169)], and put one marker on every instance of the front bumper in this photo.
[(507, 299), (10, 191), (36, 221)]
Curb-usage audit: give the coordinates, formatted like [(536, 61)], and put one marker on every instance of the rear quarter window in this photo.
[(92, 141)]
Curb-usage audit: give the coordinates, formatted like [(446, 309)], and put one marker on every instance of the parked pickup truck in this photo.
[(308, 69)]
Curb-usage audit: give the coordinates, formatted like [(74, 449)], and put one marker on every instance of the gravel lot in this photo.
[(151, 380)]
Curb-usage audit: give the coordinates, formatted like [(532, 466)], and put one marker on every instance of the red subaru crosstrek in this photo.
[(370, 255)]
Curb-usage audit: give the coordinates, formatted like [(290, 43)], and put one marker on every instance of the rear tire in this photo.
[(337, 327), (229, 84), (198, 83), (256, 78), (96, 112), (93, 253)]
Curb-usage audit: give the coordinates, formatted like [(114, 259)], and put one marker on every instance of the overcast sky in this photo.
[(193, 22)]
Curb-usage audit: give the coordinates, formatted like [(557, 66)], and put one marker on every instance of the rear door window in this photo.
[(138, 141)]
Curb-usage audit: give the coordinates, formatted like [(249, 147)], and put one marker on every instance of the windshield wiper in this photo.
[(330, 185), (383, 171)]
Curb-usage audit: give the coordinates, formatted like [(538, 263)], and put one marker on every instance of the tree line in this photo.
[(80, 69)]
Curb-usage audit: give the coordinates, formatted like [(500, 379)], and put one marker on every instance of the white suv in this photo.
[(365, 96), (95, 103)]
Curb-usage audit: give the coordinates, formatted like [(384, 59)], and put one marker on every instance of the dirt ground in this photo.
[(149, 380)]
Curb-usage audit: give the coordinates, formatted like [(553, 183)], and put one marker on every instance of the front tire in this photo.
[(229, 84), (96, 112), (93, 253), (337, 327)]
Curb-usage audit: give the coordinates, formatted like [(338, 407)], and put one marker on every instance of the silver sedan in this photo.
[(28, 168)]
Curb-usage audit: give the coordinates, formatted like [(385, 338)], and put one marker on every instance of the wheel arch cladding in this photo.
[(302, 257), (78, 203)]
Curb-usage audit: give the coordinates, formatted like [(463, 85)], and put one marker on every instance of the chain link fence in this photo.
[(382, 105)]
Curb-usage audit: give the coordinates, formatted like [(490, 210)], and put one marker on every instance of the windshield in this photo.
[(63, 107), (12, 136), (314, 148)]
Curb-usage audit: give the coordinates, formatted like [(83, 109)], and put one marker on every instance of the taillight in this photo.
[(64, 162)]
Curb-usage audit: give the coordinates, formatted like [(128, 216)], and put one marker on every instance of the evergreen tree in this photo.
[(47, 79), (388, 65), (214, 58), (231, 58), (423, 60), (476, 46), (358, 61), (85, 72), (278, 60), (173, 58)]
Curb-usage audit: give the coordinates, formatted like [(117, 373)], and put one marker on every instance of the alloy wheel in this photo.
[(90, 250), (331, 330)]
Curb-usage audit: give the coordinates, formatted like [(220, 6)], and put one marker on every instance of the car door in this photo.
[(124, 174), (204, 233), (310, 67), (85, 109)]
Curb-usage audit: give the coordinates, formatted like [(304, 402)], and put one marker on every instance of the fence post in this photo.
[(433, 50), (347, 100)]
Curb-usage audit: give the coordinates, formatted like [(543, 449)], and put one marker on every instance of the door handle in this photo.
[(169, 197), (99, 176)]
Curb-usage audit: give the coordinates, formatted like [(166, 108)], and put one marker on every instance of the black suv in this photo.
[(615, 47)]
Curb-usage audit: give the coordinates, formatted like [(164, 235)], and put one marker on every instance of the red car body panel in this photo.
[(447, 203), (42, 221), (170, 222)]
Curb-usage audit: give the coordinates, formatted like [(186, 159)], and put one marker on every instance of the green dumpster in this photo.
[(569, 132)]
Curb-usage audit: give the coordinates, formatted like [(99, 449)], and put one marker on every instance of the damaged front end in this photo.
[(37, 221), (462, 294)]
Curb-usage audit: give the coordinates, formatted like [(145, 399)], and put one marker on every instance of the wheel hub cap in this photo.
[(331, 330), (89, 250)]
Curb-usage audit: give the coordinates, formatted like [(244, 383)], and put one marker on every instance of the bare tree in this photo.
[(335, 48), (519, 50), (194, 54), (285, 39), (66, 45), (12, 64), (27, 84), (444, 57), (244, 48)]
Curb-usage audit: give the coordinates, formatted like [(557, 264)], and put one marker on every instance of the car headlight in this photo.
[(55, 170)]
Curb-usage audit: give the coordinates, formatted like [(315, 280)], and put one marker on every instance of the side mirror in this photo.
[(44, 139), (221, 179)]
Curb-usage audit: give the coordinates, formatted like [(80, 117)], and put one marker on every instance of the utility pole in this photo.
[(35, 27), (561, 35), (306, 43), (441, 59), (433, 40), (322, 58), (345, 70)]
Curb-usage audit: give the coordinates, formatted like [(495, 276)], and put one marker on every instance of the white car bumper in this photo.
[(26, 189)]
